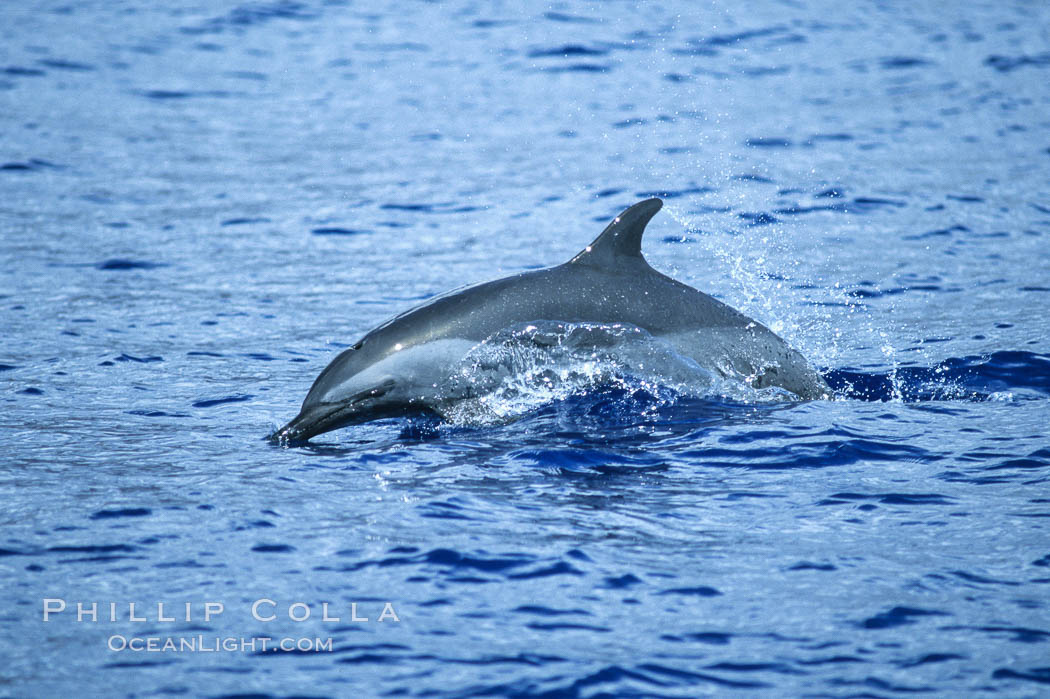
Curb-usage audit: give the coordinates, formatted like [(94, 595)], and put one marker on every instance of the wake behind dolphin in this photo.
[(408, 364)]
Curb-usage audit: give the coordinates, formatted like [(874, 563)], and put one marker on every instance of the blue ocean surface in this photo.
[(202, 203)]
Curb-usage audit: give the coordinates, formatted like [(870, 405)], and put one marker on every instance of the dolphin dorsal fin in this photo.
[(621, 238)]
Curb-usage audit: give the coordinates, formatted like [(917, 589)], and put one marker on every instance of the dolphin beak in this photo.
[(316, 420)]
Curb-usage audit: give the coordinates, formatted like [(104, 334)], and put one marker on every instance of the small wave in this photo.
[(33, 164), (244, 220), (121, 265), (568, 50), (1006, 64), (163, 95), (251, 14), (901, 62), (125, 357), (768, 143), (569, 19), (23, 72), (62, 64), (334, 230), (578, 68), (221, 401), (122, 512), (437, 208), (1004, 375)]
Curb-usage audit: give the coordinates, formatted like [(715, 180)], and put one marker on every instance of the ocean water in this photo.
[(201, 203)]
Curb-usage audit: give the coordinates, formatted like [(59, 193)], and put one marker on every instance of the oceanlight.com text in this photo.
[(217, 644)]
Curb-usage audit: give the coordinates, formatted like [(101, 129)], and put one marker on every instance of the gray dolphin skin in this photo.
[(404, 366)]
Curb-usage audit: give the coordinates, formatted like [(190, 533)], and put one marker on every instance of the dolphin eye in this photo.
[(383, 388), (357, 345), (376, 391)]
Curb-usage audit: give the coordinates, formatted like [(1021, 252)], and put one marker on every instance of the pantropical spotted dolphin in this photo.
[(405, 364)]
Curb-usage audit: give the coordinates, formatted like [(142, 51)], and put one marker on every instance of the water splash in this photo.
[(767, 278), (526, 367)]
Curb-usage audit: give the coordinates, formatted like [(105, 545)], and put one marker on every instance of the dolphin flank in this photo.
[(404, 366)]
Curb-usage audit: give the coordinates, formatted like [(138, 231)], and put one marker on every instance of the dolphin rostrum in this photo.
[(404, 365)]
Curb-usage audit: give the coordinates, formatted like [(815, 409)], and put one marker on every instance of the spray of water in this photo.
[(525, 367), (824, 319)]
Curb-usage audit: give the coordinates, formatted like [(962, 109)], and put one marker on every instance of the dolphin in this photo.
[(404, 365)]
